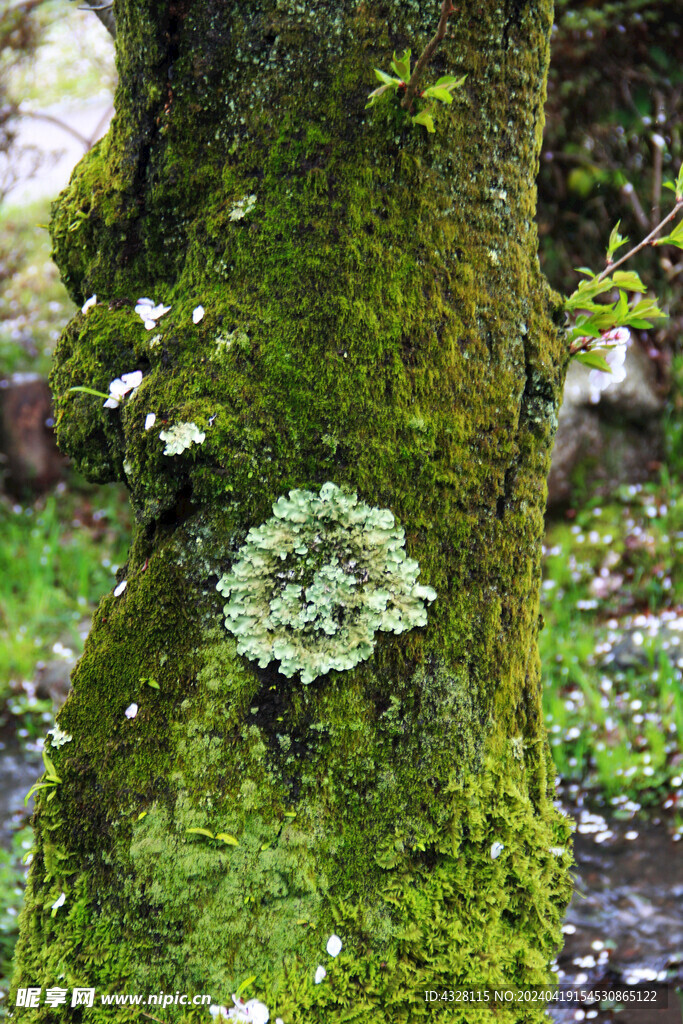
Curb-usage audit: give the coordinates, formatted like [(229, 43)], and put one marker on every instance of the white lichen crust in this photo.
[(313, 585), (180, 437)]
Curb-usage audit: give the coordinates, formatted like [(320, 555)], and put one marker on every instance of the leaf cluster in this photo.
[(441, 90)]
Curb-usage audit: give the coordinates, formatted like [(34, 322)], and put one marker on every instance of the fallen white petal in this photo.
[(150, 420), (319, 974), (117, 388), (131, 711), (334, 945), (197, 314), (218, 1011), (111, 403), (496, 850), (150, 324), (89, 303), (120, 587), (132, 380), (59, 902)]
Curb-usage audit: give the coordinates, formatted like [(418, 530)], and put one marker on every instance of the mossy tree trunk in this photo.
[(374, 318)]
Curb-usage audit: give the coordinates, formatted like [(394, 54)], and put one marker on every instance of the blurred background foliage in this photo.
[(613, 134)]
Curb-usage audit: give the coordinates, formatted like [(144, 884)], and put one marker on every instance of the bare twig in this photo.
[(657, 145), (447, 9), (87, 143), (37, 116), (611, 267), (630, 193)]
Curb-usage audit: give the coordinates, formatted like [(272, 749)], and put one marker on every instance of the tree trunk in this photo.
[(374, 319)]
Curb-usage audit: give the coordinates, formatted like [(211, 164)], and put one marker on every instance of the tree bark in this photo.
[(374, 318)]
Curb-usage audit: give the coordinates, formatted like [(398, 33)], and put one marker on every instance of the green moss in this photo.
[(377, 319)]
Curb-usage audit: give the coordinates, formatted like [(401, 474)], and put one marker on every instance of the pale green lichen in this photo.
[(243, 207), (180, 437), (314, 584)]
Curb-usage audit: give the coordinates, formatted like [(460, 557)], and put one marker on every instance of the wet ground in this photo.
[(625, 923)]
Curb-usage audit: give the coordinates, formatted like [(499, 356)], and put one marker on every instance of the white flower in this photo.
[(120, 387), (496, 850), (89, 303), (59, 738), (320, 973), (615, 343), (180, 437), (149, 313), (120, 587), (150, 420), (131, 711), (59, 902), (556, 851), (334, 945), (253, 1011), (197, 314)]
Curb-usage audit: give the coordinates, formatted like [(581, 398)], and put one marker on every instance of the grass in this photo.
[(34, 305), (58, 558), (12, 879), (612, 648)]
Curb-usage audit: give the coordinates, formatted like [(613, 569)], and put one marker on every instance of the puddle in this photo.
[(625, 922), (18, 771)]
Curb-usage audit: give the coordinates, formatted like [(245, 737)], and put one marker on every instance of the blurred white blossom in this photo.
[(120, 387)]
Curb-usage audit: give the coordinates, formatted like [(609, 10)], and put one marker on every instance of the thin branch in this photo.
[(629, 192), (658, 144), (447, 9), (37, 116), (611, 267)]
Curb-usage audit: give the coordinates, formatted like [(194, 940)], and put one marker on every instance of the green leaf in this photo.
[(201, 832), (377, 95), (35, 787), (676, 187), (141, 815), (153, 683), (50, 769), (450, 81), (437, 92), (230, 840), (89, 391), (594, 360), (245, 984), (425, 119), (385, 79), (627, 279), (675, 238), (588, 290), (401, 65), (615, 241)]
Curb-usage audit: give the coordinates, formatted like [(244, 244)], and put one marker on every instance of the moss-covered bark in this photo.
[(377, 320)]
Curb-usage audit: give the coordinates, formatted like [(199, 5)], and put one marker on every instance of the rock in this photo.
[(602, 445), (53, 681), (32, 462)]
